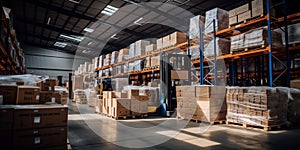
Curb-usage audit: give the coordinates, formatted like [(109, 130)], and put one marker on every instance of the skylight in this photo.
[(90, 30), (109, 10), (60, 44)]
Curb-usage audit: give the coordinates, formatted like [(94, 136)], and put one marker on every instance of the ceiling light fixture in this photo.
[(72, 37), (109, 10), (90, 43), (60, 44), (134, 3), (75, 1), (86, 51), (114, 36), (90, 30), (49, 19), (136, 22)]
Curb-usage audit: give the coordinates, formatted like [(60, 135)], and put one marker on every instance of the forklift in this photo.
[(175, 70)]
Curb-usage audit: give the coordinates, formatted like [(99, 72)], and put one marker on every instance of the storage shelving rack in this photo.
[(258, 55)]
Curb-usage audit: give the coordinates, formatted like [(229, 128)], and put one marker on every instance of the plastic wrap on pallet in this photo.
[(140, 47), (96, 62), (119, 83), (259, 37), (293, 33), (132, 50), (138, 65), (28, 79), (258, 106), (195, 24), (221, 18), (222, 47), (237, 42), (114, 56), (100, 64)]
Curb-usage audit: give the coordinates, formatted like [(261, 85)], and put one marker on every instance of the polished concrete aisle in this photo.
[(90, 131)]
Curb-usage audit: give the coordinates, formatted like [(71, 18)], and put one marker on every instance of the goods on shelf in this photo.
[(166, 41), (221, 18), (195, 24), (256, 38), (114, 57), (107, 60), (77, 82), (95, 63), (257, 106), (259, 8), (177, 38), (293, 33), (150, 48), (140, 47), (159, 44), (203, 103), (123, 55), (131, 50), (137, 65), (222, 47), (239, 14), (100, 65), (155, 61)]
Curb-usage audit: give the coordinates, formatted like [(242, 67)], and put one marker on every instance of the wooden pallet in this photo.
[(139, 116), (247, 49), (199, 121), (119, 117), (265, 128)]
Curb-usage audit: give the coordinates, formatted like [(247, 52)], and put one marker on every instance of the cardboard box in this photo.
[(9, 93), (40, 138), (177, 38), (295, 83), (124, 51), (150, 48), (39, 116), (232, 13), (233, 20), (166, 41), (147, 62), (242, 9), (132, 93), (155, 61), (140, 47), (159, 44), (28, 95), (49, 85), (179, 74), (244, 16)]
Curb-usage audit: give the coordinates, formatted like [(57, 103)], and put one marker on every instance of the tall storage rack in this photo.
[(258, 55)]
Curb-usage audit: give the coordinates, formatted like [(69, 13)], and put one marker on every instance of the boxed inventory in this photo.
[(9, 93), (221, 18), (150, 48), (28, 95), (195, 24), (140, 47)]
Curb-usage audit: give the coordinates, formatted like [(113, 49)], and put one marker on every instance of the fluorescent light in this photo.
[(60, 44), (90, 43), (75, 1), (90, 30), (72, 37), (86, 51), (136, 22), (114, 36), (109, 10), (49, 19)]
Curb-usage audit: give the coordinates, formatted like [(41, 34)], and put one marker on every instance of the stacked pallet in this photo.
[(256, 106), (123, 55), (201, 103), (80, 97), (99, 104), (195, 24), (92, 98), (221, 18), (256, 38), (107, 60)]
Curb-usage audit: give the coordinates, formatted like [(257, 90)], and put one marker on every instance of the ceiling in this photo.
[(42, 22)]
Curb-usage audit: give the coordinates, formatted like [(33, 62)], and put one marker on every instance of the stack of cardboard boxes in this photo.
[(257, 106), (48, 92), (202, 103), (122, 104)]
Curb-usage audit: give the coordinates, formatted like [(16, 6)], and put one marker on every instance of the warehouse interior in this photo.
[(149, 74)]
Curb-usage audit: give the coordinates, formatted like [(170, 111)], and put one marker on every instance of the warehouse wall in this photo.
[(45, 62)]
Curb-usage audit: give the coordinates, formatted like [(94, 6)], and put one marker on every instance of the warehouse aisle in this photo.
[(217, 136)]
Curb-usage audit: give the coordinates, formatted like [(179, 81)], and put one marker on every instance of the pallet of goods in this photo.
[(201, 103), (262, 107), (80, 96)]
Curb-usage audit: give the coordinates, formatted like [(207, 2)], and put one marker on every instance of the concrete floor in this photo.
[(92, 131)]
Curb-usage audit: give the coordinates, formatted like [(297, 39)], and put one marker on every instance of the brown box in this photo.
[(9, 93), (159, 44), (177, 38), (132, 93), (46, 96), (186, 88), (203, 91), (242, 9), (166, 41), (233, 20), (121, 103), (179, 74), (155, 61), (150, 48), (134, 106), (28, 95), (39, 116), (244, 16), (147, 62), (295, 83), (124, 51), (232, 13), (40, 138)]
